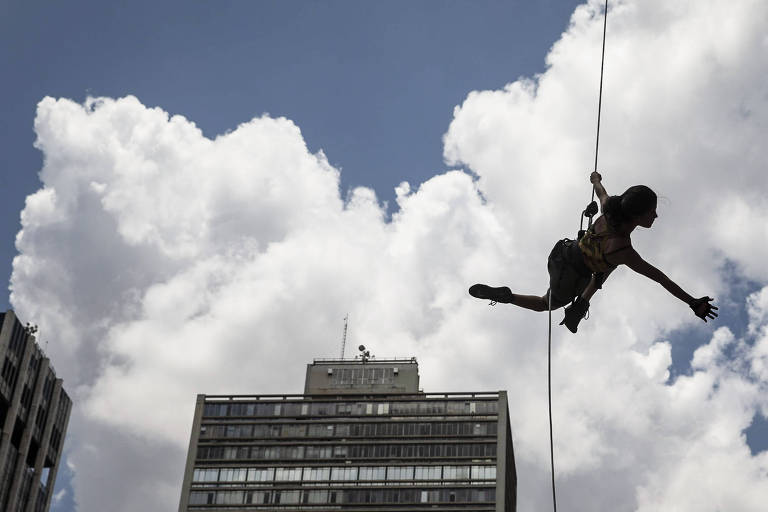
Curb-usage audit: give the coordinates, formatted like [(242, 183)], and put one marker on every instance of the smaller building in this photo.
[(34, 413)]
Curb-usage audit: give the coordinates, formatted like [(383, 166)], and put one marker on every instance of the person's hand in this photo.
[(703, 309), (595, 177)]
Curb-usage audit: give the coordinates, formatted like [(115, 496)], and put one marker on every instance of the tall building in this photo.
[(34, 412), (362, 437)]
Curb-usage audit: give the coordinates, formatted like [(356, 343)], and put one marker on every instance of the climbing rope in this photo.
[(585, 213), (600, 94), (549, 396)]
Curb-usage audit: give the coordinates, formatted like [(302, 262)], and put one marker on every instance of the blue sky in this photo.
[(374, 84)]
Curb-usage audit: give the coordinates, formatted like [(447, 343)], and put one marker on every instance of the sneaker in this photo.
[(574, 313), (498, 294)]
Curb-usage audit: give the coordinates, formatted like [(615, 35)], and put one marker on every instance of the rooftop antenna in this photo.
[(344, 336)]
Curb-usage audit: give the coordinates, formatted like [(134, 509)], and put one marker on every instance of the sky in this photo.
[(195, 195)]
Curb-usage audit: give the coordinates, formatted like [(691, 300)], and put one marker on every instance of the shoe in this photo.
[(574, 313), (498, 294)]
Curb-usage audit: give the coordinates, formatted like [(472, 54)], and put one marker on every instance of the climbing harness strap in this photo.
[(591, 246)]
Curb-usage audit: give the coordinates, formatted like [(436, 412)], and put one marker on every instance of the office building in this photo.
[(362, 437), (34, 412)]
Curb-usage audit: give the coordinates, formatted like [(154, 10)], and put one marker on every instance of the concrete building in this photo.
[(362, 437), (34, 412)]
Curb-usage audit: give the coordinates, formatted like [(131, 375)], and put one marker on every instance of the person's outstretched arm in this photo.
[(701, 307), (597, 181)]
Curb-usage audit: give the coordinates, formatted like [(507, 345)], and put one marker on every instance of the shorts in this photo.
[(568, 274)]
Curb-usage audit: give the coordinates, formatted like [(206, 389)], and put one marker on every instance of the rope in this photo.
[(549, 340), (549, 396), (600, 95)]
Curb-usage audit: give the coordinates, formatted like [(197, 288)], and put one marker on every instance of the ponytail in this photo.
[(633, 202), (613, 212)]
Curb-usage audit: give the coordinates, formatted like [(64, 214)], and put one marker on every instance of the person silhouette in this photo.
[(577, 269)]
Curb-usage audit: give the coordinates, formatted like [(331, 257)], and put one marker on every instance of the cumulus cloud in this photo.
[(162, 264)]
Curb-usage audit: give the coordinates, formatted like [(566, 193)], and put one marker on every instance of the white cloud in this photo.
[(162, 264)]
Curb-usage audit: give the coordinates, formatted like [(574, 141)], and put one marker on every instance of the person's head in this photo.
[(637, 204)]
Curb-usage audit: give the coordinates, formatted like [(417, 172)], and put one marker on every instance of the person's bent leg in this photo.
[(504, 295), (532, 302)]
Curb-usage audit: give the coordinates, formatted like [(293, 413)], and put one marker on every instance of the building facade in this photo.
[(362, 437), (34, 413)]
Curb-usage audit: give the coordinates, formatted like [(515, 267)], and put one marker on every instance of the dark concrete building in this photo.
[(34, 412), (362, 437)]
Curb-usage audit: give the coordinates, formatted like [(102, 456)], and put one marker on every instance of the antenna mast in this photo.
[(344, 336)]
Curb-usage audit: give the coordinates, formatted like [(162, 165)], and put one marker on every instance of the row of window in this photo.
[(347, 451), (313, 408), (341, 496), (343, 474), (351, 376), (368, 430)]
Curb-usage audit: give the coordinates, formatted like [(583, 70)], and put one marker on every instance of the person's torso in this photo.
[(608, 242)]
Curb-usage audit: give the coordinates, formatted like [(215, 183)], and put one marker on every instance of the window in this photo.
[(261, 474), (343, 474), (368, 473), (288, 474), (238, 431), (487, 494), (404, 408), (317, 474), (229, 497), (287, 497), (351, 376), (201, 498), (257, 497), (230, 452), (205, 475), (428, 472), (293, 452), (323, 409), (233, 474), (456, 472), (400, 473), (320, 496), (483, 472), (320, 430), (215, 409), (318, 452), (432, 408), (293, 430)]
